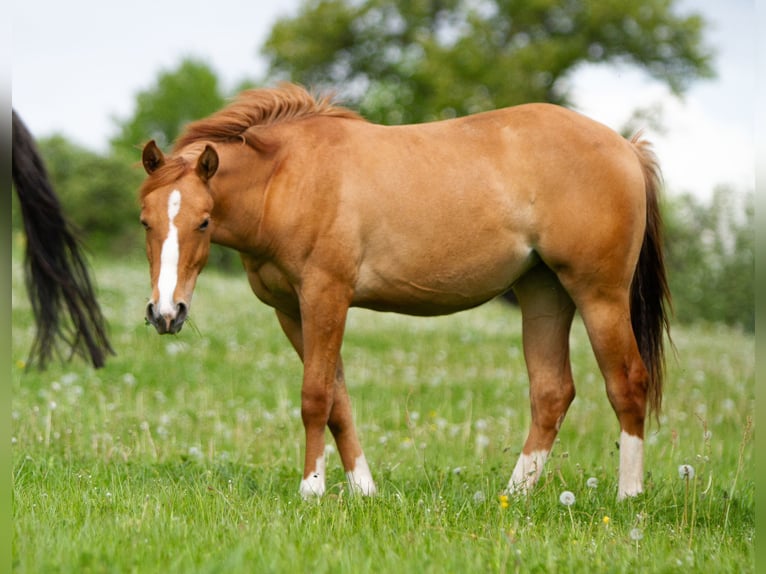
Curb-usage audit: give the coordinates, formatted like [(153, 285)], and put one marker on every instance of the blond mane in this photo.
[(260, 107)]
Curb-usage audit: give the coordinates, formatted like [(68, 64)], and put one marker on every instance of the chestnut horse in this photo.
[(329, 211)]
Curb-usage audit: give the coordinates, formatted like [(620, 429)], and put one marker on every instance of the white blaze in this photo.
[(169, 259)]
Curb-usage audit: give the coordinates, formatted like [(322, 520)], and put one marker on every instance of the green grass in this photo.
[(184, 454)]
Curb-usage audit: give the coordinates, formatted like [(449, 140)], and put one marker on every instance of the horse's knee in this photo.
[(551, 402), (315, 407)]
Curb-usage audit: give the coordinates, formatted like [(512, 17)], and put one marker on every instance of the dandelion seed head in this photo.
[(567, 498), (592, 482), (636, 534), (686, 471)]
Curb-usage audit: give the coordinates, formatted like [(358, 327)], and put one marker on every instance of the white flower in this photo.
[(567, 498), (636, 534), (592, 482), (686, 471)]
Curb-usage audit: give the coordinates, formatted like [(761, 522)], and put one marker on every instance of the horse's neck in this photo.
[(237, 189)]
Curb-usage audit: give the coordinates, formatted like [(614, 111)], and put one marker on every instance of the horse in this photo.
[(55, 268), (330, 211)]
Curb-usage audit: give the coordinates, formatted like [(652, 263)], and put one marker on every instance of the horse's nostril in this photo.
[(181, 311), (150, 316)]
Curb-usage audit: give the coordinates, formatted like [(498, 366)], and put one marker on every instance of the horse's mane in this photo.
[(256, 108)]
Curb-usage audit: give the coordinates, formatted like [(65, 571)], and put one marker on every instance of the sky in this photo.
[(78, 65)]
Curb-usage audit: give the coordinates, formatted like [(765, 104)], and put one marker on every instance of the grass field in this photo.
[(184, 454)]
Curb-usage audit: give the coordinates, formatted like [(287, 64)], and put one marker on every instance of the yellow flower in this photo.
[(504, 501), (605, 520), (21, 364)]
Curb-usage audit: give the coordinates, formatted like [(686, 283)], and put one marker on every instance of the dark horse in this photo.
[(55, 270)]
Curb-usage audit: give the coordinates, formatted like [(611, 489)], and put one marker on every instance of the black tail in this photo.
[(55, 269), (650, 295)]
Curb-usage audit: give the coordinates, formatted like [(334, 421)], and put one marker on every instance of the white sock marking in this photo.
[(314, 484), (631, 480), (360, 478), (166, 284), (527, 471)]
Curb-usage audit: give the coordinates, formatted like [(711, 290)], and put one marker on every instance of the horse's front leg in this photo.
[(341, 425), (317, 338)]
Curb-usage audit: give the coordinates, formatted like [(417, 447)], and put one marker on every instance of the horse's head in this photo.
[(176, 207)]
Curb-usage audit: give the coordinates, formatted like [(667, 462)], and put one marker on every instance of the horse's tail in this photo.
[(55, 270), (650, 296)]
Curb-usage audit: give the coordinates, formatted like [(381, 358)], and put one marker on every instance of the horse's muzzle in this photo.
[(169, 323)]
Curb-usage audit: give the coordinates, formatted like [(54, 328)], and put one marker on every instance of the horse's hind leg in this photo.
[(547, 312), (606, 314)]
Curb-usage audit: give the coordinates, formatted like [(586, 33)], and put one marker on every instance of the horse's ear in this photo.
[(152, 157), (207, 164)]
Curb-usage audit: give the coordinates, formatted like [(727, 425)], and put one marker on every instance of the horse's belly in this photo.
[(424, 286)]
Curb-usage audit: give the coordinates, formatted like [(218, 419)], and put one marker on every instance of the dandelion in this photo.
[(636, 534), (592, 482), (479, 498), (504, 501), (567, 498), (686, 471), (605, 520)]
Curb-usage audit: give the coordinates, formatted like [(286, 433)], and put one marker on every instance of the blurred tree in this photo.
[(186, 93), (710, 250), (402, 61)]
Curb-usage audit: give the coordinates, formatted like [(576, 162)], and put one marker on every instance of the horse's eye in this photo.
[(145, 224), (204, 224)]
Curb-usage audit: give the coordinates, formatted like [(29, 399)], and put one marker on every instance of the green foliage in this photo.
[(401, 61), (181, 95), (184, 453), (711, 258)]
